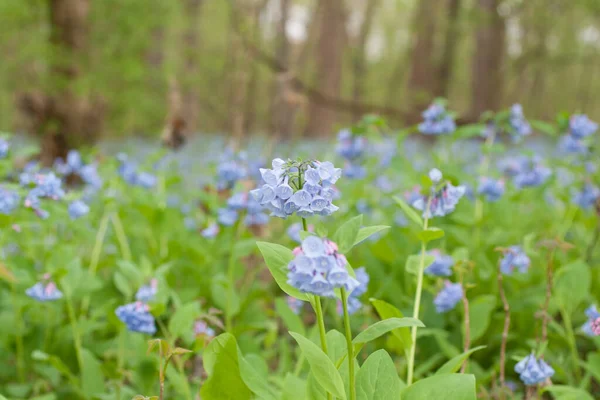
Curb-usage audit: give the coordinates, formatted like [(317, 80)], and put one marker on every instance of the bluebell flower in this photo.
[(492, 189), (587, 197), (4, 148), (351, 147), (448, 297), (519, 127), (569, 144), (227, 216), (441, 202), (211, 231), (318, 268), (354, 303), (384, 184), (44, 291), (354, 171), (533, 371), (146, 180), (302, 188), (147, 293), (137, 317), (592, 313), (128, 171), (441, 266), (531, 174), (580, 126), (437, 121), (9, 201), (72, 164), (78, 209), (201, 328), (294, 304), (514, 257), (230, 170)]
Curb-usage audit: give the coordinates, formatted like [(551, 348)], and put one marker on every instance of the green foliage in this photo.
[(444, 386), (378, 379)]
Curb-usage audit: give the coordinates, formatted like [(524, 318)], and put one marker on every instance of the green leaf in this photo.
[(292, 321), (572, 285), (377, 378), (413, 263), (561, 392), (277, 259), (314, 391), (92, 379), (221, 364), (346, 235), (593, 365), (544, 127), (293, 388), (430, 234), (183, 319), (258, 384), (445, 386), (163, 346), (122, 284), (454, 364), (366, 232), (180, 350), (380, 328), (386, 311), (409, 211), (321, 366), (480, 312)]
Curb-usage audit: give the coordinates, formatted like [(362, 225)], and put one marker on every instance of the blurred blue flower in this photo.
[(147, 293), (231, 169), (531, 174), (211, 231), (569, 144), (448, 297), (519, 127), (441, 266), (4, 148), (294, 304), (146, 180), (492, 189), (441, 202), (580, 126), (128, 170), (514, 257), (9, 201), (592, 313), (587, 197), (318, 268), (44, 291), (533, 371), (201, 328), (137, 317), (227, 216), (351, 147), (78, 209), (437, 121)]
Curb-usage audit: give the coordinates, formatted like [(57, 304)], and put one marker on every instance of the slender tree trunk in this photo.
[(191, 40), (329, 56), (488, 59), (359, 64), (449, 53), (238, 75), (252, 91)]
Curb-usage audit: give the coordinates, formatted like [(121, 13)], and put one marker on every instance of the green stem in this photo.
[(572, 345), (231, 276), (121, 237), (349, 343), (75, 332), (304, 225), (322, 333), (19, 336), (95, 258)]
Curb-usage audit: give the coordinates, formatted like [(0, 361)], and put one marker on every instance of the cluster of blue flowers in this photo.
[(492, 189), (442, 200), (4, 148), (231, 169), (354, 303), (318, 268), (514, 258), (437, 121), (242, 202), (74, 165), (47, 186), (448, 297), (44, 291), (533, 371), (137, 315), (78, 209), (592, 326), (9, 201), (518, 125), (304, 188), (128, 170), (580, 127), (587, 197), (352, 148), (441, 266), (529, 172), (211, 231)]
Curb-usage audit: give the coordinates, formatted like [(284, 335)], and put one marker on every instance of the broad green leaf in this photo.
[(224, 296), (122, 284), (409, 211), (224, 379), (593, 365), (544, 127), (346, 235), (314, 391), (454, 364), (366, 232), (321, 366), (386, 311), (430, 234), (291, 320), (377, 378), (277, 259), (480, 312), (258, 383), (92, 379), (413, 263), (380, 328), (183, 319), (293, 388), (445, 386), (336, 345), (561, 392), (572, 285)]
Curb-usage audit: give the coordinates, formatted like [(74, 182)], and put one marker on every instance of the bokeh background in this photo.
[(73, 71)]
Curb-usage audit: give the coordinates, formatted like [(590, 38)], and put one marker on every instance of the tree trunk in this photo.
[(446, 66), (359, 65), (329, 56), (488, 60), (191, 72)]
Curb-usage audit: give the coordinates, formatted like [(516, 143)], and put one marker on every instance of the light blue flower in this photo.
[(569, 144), (441, 266), (492, 189), (580, 126), (227, 216), (147, 293), (514, 257), (519, 127), (137, 317), (9, 201), (437, 121), (448, 297), (211, 231), (442, 201), (587, 197), (531, 174), (4, 148), (44, 291), (78, 209), (592, 313), (533, 371), (201, 328)]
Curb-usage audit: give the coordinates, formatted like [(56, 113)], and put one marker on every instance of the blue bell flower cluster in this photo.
[(352, 149), (441, 266), (514, 258), (580, 127), (443, 198), (491, 189), (74, 165), (448, 297), (128, 170), (568, 144), (47, 186), (593, 315), (437, 121), (9, 201), (304, 188), (136, 316), (44, 291), (78, 209), (518, 125), (318, 268), (587, 197), (531, 173), (533, 371), (239, 203), (147, 293), (231, 169)]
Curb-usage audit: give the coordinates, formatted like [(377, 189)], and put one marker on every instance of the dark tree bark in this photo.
[(330, 49), (359, 64), (488, 59), (446, 66)]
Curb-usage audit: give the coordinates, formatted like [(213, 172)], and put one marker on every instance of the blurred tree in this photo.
[(446, 65)]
